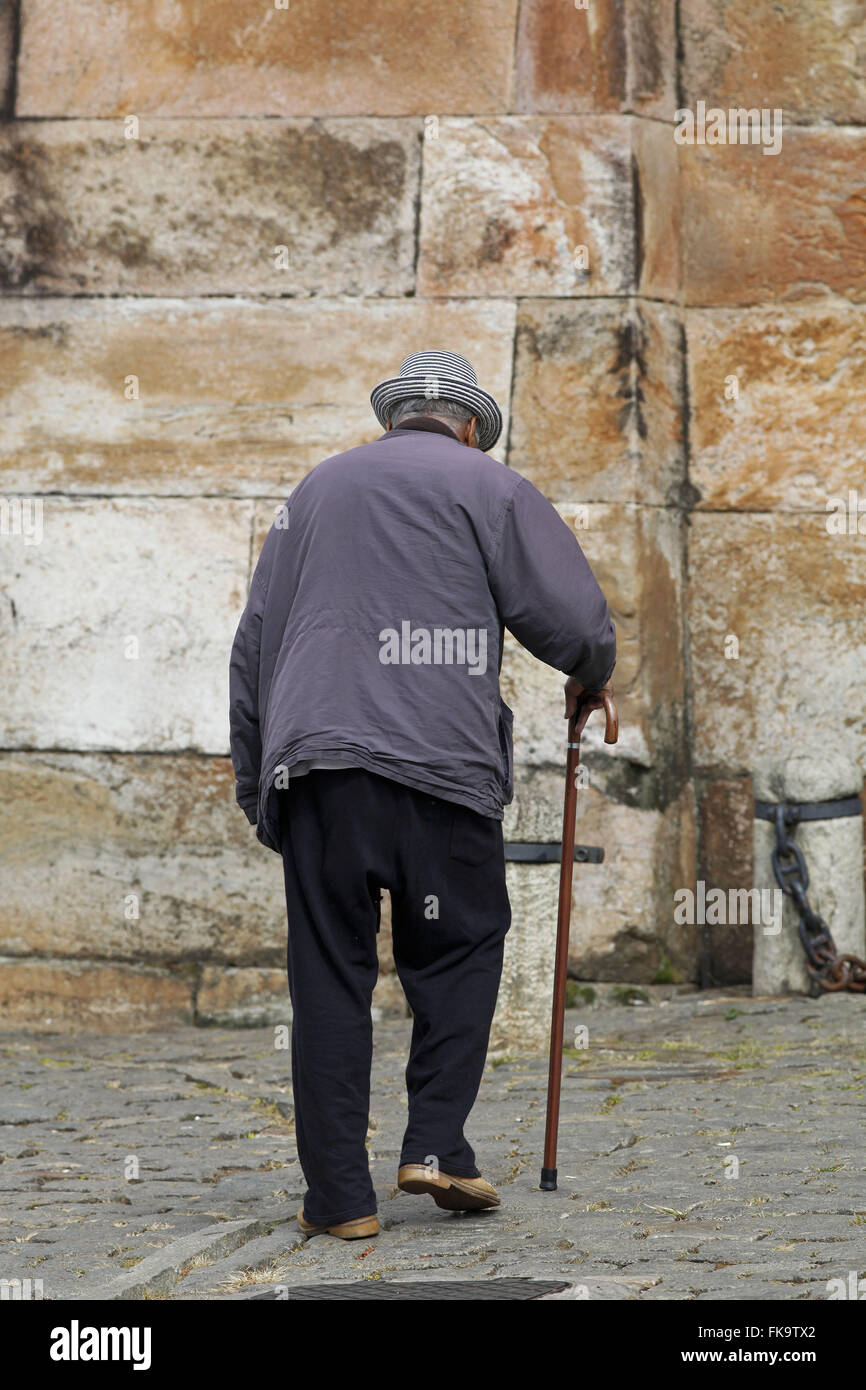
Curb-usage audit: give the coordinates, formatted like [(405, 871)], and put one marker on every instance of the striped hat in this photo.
[(440, 374)]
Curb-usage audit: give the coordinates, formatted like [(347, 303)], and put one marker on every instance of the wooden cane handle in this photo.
[(611, 718), (581, 714)]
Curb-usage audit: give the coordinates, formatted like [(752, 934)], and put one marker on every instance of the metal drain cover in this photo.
[(445, 1288)]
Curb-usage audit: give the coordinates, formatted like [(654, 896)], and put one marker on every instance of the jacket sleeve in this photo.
[(546, 593), (244, 731)]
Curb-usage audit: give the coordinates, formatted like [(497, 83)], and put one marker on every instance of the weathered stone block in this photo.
[(61, 996), (651, 48), (635, 554), (776, 416), (8, 25), (726, 819), (833, 851), (135, 858), (507, 204), (242, 58), (203, 207), (636, 799), (243, 998), (117, 628), (785, 226), (614, 55), (803, 57), (565, 206), (597, 400), (622, 925), (659, 225), (522, 1017), (233, 396), (777, 643)]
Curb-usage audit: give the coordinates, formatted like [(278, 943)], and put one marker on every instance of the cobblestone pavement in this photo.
[(711, 1147)]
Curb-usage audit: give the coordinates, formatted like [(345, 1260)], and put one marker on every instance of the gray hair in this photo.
[(430, 405)]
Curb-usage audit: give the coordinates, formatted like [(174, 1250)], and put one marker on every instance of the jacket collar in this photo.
[(421, 422)]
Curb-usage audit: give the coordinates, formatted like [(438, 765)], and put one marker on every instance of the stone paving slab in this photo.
[(710, 1148)]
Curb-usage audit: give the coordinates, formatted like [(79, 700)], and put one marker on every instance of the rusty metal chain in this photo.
[(827, 968)]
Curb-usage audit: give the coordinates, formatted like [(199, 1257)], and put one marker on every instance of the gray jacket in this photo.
[(373, 631)]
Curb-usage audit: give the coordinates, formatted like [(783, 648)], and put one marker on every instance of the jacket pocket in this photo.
[(506, 744)]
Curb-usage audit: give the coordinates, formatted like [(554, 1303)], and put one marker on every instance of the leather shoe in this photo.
[(449, 1192), (346, 1230)]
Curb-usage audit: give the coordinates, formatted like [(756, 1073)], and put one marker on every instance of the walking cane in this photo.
[(563, 920)]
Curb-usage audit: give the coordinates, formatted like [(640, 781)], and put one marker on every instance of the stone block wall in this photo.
[(220, 225)]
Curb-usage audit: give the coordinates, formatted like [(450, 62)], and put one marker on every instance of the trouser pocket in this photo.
[(474, 838)]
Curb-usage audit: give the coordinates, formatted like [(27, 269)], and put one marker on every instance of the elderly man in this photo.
[(372, 750)]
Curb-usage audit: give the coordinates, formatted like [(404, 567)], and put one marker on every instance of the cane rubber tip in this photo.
[(548, 1180)]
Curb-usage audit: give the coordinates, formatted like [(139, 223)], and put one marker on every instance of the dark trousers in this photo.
[(345, 835)]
